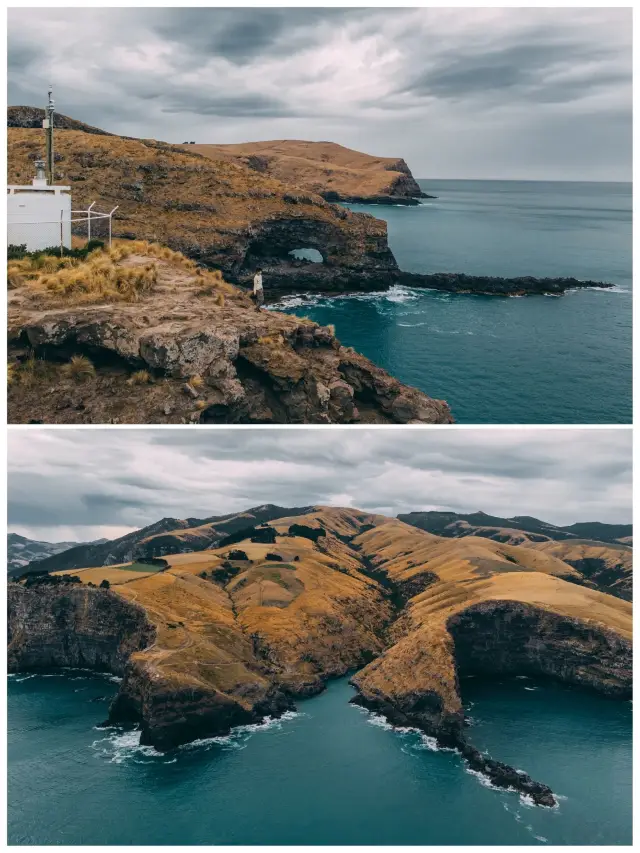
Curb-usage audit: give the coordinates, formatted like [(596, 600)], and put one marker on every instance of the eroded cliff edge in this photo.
[(238, 633), (170, 342)]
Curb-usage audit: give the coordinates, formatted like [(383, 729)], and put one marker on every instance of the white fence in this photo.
[(41, 234)]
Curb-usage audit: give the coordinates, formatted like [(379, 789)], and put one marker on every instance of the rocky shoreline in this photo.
[(304, 277), (499, 774)]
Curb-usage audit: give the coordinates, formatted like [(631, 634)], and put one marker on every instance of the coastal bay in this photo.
[(537, 359)]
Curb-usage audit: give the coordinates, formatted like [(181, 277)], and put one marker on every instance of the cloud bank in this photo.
[(518, 93), (79, 484)]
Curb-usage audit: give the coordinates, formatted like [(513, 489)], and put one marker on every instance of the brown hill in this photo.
[(219, 213), (331, 170), (31, 117), (238, 632), (607, 567)]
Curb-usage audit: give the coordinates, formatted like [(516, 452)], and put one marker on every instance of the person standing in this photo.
[(258, 292)]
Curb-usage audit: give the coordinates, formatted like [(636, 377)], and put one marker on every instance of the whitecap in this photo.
[(120, 746), (531, 688)]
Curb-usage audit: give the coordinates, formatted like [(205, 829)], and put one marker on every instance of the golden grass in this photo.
[(140, 377), (79, 368)]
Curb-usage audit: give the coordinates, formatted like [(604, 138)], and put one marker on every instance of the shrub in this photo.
[(140, 377), (79, 368), (105, 584), (313, 533), (275, 557), (237, 555)]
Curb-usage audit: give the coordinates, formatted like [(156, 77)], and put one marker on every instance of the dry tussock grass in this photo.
[(103, 277), (79, 368), (140, 377)]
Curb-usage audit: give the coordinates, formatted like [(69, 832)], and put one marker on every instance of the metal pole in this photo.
[(61, 234), (49, 137), (110, 217), (89, 222)]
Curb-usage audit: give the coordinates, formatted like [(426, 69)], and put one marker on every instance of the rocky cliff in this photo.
[(330, 170), (73, 625), (169, 342), (239, 632)]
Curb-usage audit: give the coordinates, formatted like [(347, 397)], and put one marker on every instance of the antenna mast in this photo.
[(48, 127)]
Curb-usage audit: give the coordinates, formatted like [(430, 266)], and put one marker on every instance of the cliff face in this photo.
[(225, 636), (330, 170), (162, 314), (74, 626)]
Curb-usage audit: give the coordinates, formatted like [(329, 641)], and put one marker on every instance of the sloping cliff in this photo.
[(218, 213)]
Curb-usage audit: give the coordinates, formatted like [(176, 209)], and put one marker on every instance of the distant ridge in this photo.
[(33, 116)]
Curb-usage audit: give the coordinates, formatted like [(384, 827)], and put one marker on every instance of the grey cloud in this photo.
[(557, 77), (523, 69), (228, 105), (130, 478)]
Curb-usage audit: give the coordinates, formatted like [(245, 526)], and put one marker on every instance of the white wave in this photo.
[(484, 780), (120, 746), (531, 688)]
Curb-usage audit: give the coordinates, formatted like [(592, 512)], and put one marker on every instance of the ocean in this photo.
[(331, 773), (535, 359)]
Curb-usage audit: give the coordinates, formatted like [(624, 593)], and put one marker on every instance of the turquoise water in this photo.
[(330, 774), (537, 359)]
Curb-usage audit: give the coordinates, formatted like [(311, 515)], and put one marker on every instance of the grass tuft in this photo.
[(80, 369), (140, 377)]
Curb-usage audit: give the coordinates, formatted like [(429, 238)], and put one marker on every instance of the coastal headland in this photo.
[(236, 207), (209, 639)]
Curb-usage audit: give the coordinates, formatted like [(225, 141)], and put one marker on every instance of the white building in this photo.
[(39, 214)]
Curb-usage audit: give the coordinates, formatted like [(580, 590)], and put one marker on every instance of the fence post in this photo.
[(89, 221), (110, 218), (61, 233)]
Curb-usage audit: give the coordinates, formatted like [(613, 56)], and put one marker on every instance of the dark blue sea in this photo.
[(537, 359), (329, 774)]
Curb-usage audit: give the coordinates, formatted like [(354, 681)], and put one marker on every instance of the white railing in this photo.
[(20, 231)]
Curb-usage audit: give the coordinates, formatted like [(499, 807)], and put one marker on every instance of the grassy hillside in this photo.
[(320, 167)]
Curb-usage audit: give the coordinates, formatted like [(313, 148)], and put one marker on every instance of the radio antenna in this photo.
[(48, 127)]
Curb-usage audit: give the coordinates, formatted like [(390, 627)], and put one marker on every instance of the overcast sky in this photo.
[(519, 93), (82, 484)]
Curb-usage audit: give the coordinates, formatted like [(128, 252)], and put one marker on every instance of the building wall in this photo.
[(34, 216)]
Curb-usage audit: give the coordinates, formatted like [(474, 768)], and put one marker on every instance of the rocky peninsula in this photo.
[(220, 637)]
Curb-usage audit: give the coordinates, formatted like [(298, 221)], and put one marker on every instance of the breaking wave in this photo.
[(121, 746)]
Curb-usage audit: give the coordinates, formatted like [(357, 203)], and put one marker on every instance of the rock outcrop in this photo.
[(492, 610), (226, 636), (486, 285), (250, 366)]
